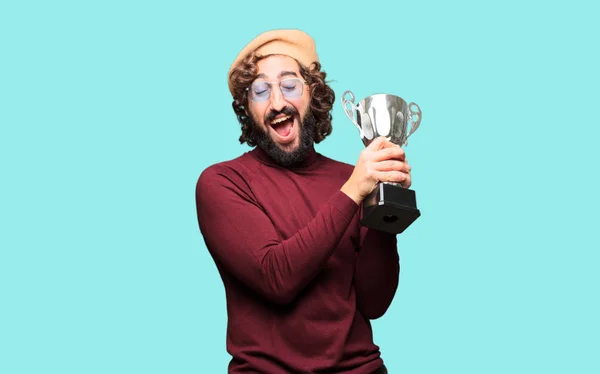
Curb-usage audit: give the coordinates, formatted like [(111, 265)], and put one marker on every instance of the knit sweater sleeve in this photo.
[(377, 272), (242, 238)]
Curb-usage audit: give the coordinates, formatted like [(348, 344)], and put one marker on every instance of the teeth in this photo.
[(279, 120)]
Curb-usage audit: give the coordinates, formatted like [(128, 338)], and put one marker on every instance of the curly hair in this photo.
[(322, 97)]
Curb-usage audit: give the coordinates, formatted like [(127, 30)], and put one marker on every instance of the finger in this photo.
[(396, 153), (406, 183), (392, 176), (392, 165)]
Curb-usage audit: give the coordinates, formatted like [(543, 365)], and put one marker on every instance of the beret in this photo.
[(294, 43)]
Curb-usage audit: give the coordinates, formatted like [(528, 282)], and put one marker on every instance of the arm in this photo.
[(241, 237), (378, 266), (377, 272)]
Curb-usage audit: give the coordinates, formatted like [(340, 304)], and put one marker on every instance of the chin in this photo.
[(291, 146)]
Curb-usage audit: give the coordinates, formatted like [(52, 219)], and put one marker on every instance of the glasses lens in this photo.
[(291, 87), (260, 91)]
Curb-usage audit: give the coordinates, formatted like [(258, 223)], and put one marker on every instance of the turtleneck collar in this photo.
[(310, 161)]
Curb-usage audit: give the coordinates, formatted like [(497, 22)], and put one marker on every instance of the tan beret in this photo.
[(294, 43)]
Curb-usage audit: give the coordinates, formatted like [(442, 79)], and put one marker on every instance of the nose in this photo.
[(277, 100)]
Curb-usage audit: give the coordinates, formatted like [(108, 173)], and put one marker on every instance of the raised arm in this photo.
[(378, 266), (242, 239)]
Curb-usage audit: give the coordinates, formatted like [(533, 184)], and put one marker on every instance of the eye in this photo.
[(289, 85), (260, 88)]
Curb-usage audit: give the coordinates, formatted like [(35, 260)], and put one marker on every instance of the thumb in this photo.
[(377, 143)]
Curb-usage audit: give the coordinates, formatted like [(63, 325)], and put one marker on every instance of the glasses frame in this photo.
[(270, 83)]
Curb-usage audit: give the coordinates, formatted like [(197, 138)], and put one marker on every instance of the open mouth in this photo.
[(283, 125)]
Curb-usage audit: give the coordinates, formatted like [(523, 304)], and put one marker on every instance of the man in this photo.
[(302, 277)]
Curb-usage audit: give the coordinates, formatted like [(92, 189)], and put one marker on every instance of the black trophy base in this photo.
[(390, 208)]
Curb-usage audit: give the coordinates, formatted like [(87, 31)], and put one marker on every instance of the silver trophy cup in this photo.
[(390, 207)]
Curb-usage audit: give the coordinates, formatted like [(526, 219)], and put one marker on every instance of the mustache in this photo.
[(289, 111)]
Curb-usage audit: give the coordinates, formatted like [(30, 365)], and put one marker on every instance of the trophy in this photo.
[(390, 207)]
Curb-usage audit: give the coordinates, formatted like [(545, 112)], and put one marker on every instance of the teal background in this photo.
[(109, 111)]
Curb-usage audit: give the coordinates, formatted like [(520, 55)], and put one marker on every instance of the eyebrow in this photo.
[(280, 75)]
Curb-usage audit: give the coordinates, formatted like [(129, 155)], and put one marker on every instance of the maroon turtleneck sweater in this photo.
[(302, 277)]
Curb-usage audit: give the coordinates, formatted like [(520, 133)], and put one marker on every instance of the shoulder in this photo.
[(231, 174)]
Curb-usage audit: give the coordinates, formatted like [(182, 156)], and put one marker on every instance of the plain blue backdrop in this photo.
[(110, 110)]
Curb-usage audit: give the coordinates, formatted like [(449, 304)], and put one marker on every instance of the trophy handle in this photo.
[(350, 111), (414, 123)]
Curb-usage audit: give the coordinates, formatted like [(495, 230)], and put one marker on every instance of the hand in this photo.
[(381, 161)]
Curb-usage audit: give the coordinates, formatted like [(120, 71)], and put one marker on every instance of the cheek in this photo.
[(302, 105), (256, 114), (306, 98)]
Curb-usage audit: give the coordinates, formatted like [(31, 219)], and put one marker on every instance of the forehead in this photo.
[(272, 67)]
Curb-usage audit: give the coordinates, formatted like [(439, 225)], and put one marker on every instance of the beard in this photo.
[(284, 158)]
